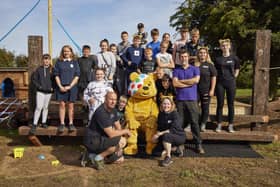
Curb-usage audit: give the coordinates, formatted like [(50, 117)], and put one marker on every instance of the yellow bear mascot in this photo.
[(141, 111)]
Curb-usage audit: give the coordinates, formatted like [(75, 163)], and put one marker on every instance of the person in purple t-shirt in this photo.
[(185, 80)]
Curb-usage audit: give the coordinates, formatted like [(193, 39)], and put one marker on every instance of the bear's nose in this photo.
[(145, 88)]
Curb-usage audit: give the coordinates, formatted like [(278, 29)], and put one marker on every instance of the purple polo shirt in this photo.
[(187, 93)]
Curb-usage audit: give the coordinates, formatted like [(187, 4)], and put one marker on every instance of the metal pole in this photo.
[(50, 27)]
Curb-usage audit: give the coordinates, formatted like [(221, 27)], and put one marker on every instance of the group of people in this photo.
[(186, 77)]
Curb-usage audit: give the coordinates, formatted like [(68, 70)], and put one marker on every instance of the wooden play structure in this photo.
[(256, 115)]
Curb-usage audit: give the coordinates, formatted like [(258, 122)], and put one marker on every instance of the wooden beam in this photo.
[(261, 72), (35, 52), (245, 119), (51, 131), (254, 136)]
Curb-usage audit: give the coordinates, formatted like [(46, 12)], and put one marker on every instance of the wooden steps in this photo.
[(254, 136)]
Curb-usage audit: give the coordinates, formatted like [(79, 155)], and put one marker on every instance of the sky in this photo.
[(87, 21)]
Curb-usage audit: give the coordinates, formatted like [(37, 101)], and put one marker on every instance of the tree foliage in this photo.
[(8, 59), (235, 19)]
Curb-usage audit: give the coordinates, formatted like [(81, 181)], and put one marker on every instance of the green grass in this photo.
[(243, 92)]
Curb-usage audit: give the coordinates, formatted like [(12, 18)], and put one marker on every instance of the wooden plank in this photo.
[(241, 119), (255, 136), (51, 131), (261, 72), (252, 136)]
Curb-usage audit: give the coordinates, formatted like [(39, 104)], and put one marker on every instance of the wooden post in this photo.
[(35, 52), (261, 74)]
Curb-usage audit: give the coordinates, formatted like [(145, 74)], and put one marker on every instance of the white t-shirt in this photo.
[(165, 58)]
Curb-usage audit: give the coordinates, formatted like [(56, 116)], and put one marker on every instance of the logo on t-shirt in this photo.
[(169, 121), (112, 116), (136, 53), (206, 67), (229, 62)]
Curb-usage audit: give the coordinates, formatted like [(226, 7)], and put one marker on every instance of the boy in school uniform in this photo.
[(148, 65)]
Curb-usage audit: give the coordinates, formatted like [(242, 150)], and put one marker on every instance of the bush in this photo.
[(245, 78)]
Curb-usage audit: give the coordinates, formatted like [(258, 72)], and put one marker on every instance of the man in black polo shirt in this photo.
[(104, 134)]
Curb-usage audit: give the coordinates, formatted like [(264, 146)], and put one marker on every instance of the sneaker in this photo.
[(99, 164), (33, 130), (203, 127), (219, 128), (71, 128), (187, 128), (84, 159), (61, 128), (230, 128), (44, 125), (166, 162), (200, 149)]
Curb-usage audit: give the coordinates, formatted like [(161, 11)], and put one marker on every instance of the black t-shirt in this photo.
[(225, 67), (87, 66), (102, 119), (170, 121), (207, 71)]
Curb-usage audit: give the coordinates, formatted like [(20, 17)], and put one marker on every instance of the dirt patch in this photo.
[(31, 171)]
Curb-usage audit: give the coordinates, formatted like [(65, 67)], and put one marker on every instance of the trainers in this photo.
[(72, 128), (200, 149), (44, 125), (219, 128), (230, 128), (203, 127), (187, 128), (84, 159), (166, 162), (99, 164), (33, 129), (61, 128)]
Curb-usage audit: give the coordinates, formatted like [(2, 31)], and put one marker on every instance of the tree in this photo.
[(21, 61), (6, 58), (237, 20)]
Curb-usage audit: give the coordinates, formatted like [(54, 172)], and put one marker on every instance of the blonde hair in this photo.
[(195, 31), (61, 56), (173, 106), (221, 41), (123, 98), (208, 55)]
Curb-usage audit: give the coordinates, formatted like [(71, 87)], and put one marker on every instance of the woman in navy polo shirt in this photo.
[(66, 72)]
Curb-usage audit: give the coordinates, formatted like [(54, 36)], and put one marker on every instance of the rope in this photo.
[(10, 104), (267, 69), (69, 36), (20, 21)]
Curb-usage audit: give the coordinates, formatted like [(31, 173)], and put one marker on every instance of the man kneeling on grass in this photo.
[(104, 137)]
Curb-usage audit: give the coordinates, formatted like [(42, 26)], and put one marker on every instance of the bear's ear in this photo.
[(153, 76), (133, 76)]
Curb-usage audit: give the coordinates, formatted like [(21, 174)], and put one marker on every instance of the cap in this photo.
[(140, 25)]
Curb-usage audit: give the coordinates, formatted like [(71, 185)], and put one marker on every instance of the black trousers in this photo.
[(228, 87), (204, 105), (189, 109)]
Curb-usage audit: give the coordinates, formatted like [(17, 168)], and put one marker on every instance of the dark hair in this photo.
[(124, 32), (154, 31), (113, 45), (183, 51), (104, 40), (101, 69), (166, 77), (140, 25), (86, 47)]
